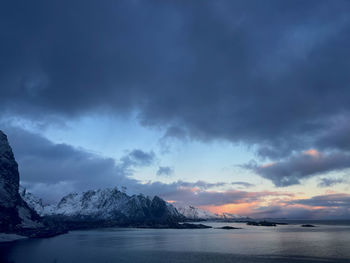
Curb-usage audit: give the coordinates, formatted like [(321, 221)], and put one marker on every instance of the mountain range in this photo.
[(111, 204), (195, 213), (22, 212)]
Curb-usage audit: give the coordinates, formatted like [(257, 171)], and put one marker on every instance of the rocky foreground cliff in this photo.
[(15, 214)]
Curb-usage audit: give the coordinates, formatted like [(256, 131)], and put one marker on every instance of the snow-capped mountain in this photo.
[(195, 213), (107, 204), (112, 204), (36, 203), (229, 216)]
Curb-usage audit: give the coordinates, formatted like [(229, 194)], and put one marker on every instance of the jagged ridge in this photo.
[(108, 204)]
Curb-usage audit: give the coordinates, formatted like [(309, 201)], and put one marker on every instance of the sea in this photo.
[(329, 241)]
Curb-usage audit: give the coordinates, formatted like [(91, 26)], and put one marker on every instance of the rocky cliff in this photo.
[(15, 214)]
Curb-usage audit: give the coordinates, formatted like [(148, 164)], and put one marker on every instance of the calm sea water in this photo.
[(285, 243)]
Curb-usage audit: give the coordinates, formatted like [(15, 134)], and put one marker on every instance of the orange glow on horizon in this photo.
[(242, 208)]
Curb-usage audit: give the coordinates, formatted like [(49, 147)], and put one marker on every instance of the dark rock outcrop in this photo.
[(307, 225), (15, 214), (228, 227), (261, 223)]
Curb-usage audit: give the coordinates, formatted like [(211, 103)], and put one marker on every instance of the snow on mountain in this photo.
[(229, 216), (111, 203), (195, 213), (107, 204), (102, 202), (36, 203)]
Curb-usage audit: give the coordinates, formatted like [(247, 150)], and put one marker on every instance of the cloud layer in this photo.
[(300, 166), (268, 74)]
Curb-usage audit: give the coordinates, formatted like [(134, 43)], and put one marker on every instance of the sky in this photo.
[(232, 106)]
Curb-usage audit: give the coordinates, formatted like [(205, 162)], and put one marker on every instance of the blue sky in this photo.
[(113, 137)]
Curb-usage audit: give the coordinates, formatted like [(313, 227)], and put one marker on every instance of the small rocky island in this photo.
[(261, 223), (307, 225), (228, 227)]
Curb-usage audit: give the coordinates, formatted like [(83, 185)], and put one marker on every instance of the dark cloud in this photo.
[(165, 171), (332, 206), (337, 137), (300, 166), (269, 74), (331, 200), (235, 70), (292, 212), (327, 182), (138, 158)]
